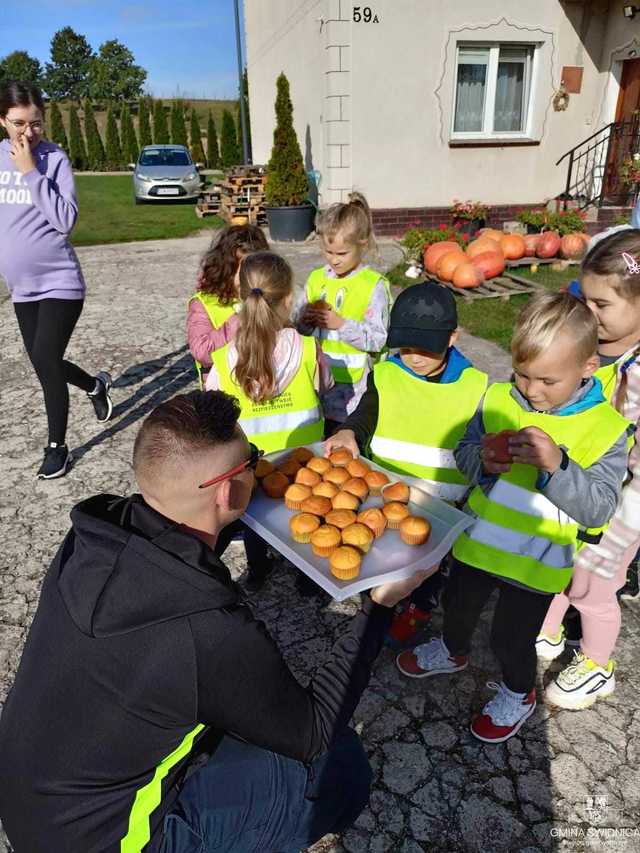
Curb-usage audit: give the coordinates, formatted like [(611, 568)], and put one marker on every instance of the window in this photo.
[(493, 90)]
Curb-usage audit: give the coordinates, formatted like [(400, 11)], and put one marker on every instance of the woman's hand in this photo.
[(343, 438), (22, 155), (389, 594)]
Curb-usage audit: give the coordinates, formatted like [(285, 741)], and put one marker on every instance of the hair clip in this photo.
[(633, 267), (255, 291)]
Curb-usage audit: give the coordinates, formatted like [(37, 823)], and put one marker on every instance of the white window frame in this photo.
[(490, 91)]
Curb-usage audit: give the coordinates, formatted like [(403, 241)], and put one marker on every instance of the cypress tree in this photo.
[(178, 125), (239, 136), (113, 147), (130, 149), (160, 129), (58, 134), (197, 151), (287, 182), (144, 124), (95, 148), (213, 155), (77, 149), (228, 141)]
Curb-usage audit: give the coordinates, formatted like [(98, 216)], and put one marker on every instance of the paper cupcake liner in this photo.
[(362, 548), (302, 538), (377, 531), (345, 574), (293, 504), (324, 551), (414, 539), (395, 525)]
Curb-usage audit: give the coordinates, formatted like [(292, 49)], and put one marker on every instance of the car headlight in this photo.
[(191, 176), (142, 177)]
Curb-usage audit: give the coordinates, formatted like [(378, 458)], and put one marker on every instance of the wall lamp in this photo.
[(630, 11)]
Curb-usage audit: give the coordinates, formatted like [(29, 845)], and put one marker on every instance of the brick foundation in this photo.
[(395, 221)]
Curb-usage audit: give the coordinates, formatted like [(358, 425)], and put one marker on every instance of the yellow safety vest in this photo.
[(349, 298), (520, 534), (608, 374), (421, 444), (218, 315), (291, 419)]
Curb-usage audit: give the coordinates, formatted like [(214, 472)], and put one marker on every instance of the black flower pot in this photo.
[(294, 222), (468, 226)]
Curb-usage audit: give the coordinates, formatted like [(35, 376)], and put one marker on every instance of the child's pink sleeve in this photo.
[(202, 338), (324, 371)]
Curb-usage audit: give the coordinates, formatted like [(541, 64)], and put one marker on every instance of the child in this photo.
[(427, 374), (346, 305), (274, 372), (212, 318), (568, 461), (38, 210), (611, 288)]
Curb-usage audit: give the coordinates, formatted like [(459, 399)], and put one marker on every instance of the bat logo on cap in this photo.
[(433, 311)]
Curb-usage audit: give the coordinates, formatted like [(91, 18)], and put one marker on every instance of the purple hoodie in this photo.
[(37, 212)]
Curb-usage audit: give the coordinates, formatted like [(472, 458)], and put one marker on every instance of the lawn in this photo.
[(108, 214), (494, 319)]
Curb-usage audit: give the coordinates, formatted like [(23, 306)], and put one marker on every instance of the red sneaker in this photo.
[(406, 625), (428, 659), (504, 715)]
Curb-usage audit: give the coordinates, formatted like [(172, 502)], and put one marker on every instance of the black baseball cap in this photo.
[(423, 316)]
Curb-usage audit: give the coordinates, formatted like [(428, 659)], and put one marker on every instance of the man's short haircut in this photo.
[(183, 425), (548, 314)]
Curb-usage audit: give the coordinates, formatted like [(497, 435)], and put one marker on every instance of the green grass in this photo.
[(108, 214), (494, 319)]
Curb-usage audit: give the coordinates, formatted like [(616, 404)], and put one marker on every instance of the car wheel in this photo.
[(137, 200)]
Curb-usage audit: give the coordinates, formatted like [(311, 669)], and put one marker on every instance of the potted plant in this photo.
[(535, 220), (468, 216), (289, 214), (629, 174)]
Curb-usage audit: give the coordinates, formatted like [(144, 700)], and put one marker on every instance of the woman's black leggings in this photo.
[(46, 326)]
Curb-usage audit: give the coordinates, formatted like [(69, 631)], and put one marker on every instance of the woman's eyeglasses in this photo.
[(36, 126), (248, 464)]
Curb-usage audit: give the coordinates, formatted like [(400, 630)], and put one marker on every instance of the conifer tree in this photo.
[(213, 155), (144, 124), (77, 148), (130, 149), (57, 132), (197, 151), (95, 148), (113, 148), (228, 141), (178, 126), (160, 129), (287, 182)]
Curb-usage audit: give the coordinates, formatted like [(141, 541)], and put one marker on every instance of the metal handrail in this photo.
[(584, 141)]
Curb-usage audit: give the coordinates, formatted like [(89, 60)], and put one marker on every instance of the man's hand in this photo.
[(487, 458), (343, 438), (532, 446), (22, 156), (389, 594), (323, 318)]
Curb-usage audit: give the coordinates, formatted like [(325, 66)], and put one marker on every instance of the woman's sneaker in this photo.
[(430, 658), (581, 684), (504, 715), (100, 398), (549, 647), (55, 463)]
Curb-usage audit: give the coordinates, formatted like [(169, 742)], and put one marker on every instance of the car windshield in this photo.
[(164, 157)]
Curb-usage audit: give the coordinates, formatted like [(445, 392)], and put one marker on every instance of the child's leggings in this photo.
[(595, 598)]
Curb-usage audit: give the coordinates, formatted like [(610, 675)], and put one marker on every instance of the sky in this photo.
[(187, 47)]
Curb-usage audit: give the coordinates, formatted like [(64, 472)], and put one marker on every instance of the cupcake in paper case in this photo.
[(301, 455), (345, 500), (308, 477), (317, 505), (395, 512), (295, 494), (358, 487), (319, 464), (359, 536), (274, 485), (339, 476), (357, 468), (396, 492), (375, 520), (340, 458), (414, 530), (340, 518), (302, 526), (345, 563), (325, 490), (263, 467), (375, 480), (325, 540), (289, 468)]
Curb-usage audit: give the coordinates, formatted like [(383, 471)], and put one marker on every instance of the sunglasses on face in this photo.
[(248, 465)]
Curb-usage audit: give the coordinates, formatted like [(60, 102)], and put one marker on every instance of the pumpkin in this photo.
[(513, 246), (491, 233), (483, 244), (489, 264), (435, 251), (548, 245), (466, 275), (531, 244), (448, 263), (573, 246)]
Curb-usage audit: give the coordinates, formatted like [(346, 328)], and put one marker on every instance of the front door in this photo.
[(626, 138)]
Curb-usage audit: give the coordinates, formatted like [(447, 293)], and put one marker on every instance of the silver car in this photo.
[(165, 172)]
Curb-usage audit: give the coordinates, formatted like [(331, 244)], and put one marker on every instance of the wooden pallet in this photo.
[(526, 262), (203, 210), (502, 287)]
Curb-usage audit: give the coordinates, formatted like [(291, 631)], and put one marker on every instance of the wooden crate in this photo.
[(501, 287)]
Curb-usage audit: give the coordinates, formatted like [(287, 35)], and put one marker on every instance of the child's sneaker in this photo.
[(581, 683), (503, 716), (549, 647), (406, 625), (100, 398), (430, 658), (630, 591), (55, 463)]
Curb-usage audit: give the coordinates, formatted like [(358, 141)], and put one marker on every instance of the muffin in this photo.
[(375, 480), (295, 494), (325, 540), (301, 455), (319, 464), (307, 477), (340, 518), (274, 485), (325, 490), (345, 563), (357, 487), (302, 526), (414, 530), (340, 458), (289, 468), (396, 492), (358, 535), (345, 500), (375, 520), (317, 505), (357, 468), (338, 476), (263, 468), (394, 513)]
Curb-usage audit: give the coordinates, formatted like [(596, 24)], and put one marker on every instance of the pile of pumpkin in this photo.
[(486, 257)]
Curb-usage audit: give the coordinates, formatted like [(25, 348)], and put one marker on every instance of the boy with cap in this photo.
[(430, 379)]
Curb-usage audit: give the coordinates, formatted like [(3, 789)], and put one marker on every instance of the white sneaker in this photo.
[(430, 658), (504, 715), (581, 683), (548, 647)]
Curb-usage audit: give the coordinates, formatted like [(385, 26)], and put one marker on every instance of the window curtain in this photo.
[(508, 113), (470, 90)]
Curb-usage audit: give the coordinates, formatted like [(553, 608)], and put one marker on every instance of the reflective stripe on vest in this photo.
[(218, 315), (399, 451), (349, 298), (149, 796), (519, 533), (291, 419)]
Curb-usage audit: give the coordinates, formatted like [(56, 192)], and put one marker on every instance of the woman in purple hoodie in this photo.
[(38, 210)]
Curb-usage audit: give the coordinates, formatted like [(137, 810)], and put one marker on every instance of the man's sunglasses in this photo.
[(250, 463)]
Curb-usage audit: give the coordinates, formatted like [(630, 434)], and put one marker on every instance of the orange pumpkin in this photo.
[(531, 244), (573, 246), (548, 245), (466, 275), (513, 246), (489, 264), (483, 244), (448, 263), (435, 251), (491, 233)]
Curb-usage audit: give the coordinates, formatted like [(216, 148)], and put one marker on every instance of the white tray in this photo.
[(388, 559)]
